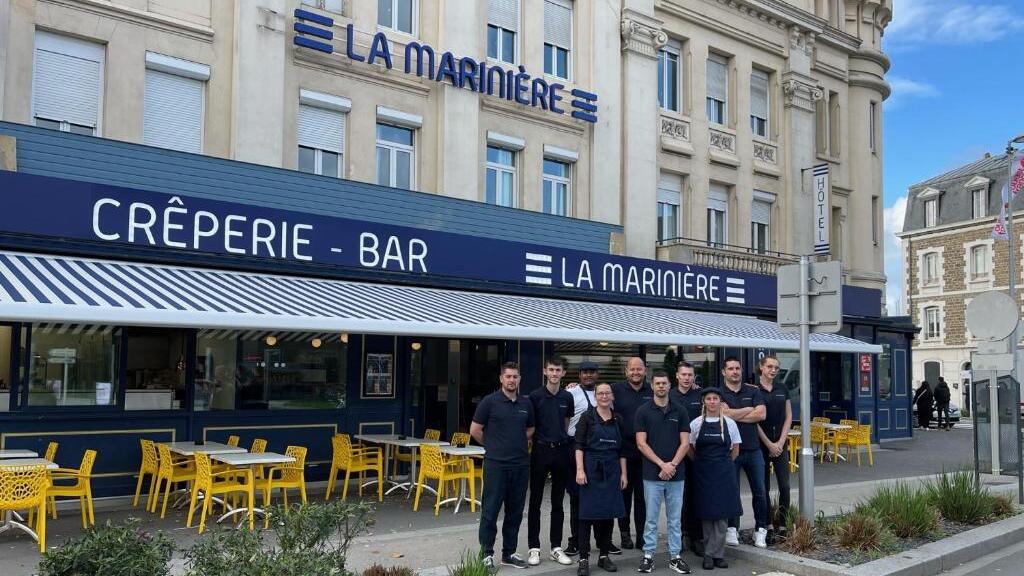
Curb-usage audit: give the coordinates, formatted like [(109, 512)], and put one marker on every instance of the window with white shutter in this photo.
[(174, 102), (670, 195), (670, 76), (718, 214), (67, 84), (321, 133), (557, 37), (718, 88), (502, 27), (759, 103), (760, 222)]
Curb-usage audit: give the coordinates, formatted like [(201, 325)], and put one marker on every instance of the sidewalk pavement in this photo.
[(425, 542)]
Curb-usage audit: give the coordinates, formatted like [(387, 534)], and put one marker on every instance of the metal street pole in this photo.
[(1014, 336), (806, 450)]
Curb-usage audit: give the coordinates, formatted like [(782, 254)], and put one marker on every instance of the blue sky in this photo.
[(958, 92)]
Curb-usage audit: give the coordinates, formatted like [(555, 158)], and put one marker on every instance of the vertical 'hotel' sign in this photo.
[(822, 209)]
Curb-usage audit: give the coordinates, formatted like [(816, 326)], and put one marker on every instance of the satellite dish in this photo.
[(992, 316)]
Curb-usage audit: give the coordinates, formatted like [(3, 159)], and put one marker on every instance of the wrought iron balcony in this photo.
[(727, 256)]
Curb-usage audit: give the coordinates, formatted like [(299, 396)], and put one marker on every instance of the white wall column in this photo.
[(800, 93), (257, 126), (459, 138)]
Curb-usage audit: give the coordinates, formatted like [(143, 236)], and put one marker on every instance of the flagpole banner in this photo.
[(1017, 173)]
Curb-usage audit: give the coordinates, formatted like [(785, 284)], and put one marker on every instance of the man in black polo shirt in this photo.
[(629, 395), (774, 432), (663, 438), (552, 409), (687, 394), (744, 404), (503, 424)]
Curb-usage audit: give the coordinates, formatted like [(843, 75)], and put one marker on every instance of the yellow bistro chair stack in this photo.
[(435, 466), (211, 484), (354, 460), (24, 488), (81, 489)]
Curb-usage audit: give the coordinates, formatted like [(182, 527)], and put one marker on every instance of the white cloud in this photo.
[(904, 88), (916, 22), (892, 219)]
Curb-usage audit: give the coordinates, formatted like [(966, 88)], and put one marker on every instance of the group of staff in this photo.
[(631, 449)]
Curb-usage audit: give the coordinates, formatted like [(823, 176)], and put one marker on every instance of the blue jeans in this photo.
[(656, 493), (752, 462)]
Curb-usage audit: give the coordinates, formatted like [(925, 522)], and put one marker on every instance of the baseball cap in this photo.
[(588, 365)]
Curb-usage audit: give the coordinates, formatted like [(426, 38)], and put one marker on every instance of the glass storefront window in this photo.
[(885, 372), (155, 369), (263, 371), (612, 358), (703, 358), (72, 365), (789, 376), (5, 368)]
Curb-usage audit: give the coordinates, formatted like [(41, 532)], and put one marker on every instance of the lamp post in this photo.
[(1011, 248)]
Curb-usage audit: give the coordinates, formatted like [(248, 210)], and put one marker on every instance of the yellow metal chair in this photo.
[(149, 467), (858, 437), (51, 452), (211, 484), (233, 440), (24, 488), (793, 444), (171, 471), (81, 489), (823, 438), (460, 439), (822, 419), (435, 466), (352, 460), (398, 456), (291, 475)]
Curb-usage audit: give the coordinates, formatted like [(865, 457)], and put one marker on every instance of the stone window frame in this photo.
[(922, 308), (987, 280), (938, 286)]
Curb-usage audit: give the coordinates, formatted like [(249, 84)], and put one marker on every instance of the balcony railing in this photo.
[(727, 256)]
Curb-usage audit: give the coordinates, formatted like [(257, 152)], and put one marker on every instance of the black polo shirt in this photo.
[(747, 397), (775, 411), (505, 422), (662, 426), (691, 401), (550, 411), (627, 400)]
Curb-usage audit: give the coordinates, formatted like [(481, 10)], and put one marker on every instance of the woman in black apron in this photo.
[(601, 475), (714, 444)]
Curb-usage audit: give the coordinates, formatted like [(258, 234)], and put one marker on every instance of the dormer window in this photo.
[(978, 187), (930, 197)]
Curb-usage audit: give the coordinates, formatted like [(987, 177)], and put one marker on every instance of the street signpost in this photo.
[(822, 209)]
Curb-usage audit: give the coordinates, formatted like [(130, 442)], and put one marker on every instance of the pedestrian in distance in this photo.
[(715, 445), (629, 395), (601, 477), (551, 454), (583, 400), (773, 433), (942, 397), (663, 438), (923, 398), (687, 394), (503, 424), (744, 404)]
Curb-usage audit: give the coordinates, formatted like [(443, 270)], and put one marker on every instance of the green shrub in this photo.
[(906, 512), (958, 498), (378, 570), (1003, 505), (470, 564), (863, 531), (800, 537), (112, 550)]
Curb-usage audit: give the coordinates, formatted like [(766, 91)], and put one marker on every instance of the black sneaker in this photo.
[(583, 567), (646, 565), (606, 564), (571, 550), (721, 563), (513, 560), (709, 563), (679, 565), (613, 549), (627, 542)]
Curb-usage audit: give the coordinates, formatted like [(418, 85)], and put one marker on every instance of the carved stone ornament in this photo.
[(676, 129), (722, 141), (797, 92), (641, 38), (765, 153)]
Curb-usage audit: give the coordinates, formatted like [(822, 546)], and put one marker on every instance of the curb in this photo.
[(931, 558)]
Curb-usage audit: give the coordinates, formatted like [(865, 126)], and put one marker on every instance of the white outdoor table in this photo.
[(833, 428), (10, 523), (462, 451), (390, 443), (6, 454), (250, 461), (190, 448)]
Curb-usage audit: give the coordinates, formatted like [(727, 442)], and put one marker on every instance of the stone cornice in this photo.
[(137, 16), (641, 34), (800, 91)]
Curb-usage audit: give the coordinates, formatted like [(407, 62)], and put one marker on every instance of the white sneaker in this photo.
[(732, 537), (488, 562), (561, 557), (534, 558), (759, 538)]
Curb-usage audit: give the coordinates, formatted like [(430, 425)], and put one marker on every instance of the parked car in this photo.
[(954, 414)]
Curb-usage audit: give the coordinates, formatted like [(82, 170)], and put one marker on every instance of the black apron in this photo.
[(714, 475), (601, 496)]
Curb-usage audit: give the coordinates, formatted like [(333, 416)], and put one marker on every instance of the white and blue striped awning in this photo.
[(72, 290)]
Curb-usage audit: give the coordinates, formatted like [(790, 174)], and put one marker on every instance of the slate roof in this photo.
[(955, 200)]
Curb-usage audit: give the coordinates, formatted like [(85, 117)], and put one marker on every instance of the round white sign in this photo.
[(992, 316)]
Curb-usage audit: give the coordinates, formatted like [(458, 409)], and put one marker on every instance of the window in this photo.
[(760, 221), (321, 133), (932, 323), (557, 37), (876, 232), (174, 103), (834, 117), (557, 182), (258, 371), (930, 268), (979, 261), (718, 210), (978, 203), (395, 156), (670, 194), (72, 365), (931, 213), (669, 77), (67, 84), (399, 15), (759, 103), (155, 369), (329, 5), (718, 88), (501, 176), (502, 25)]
